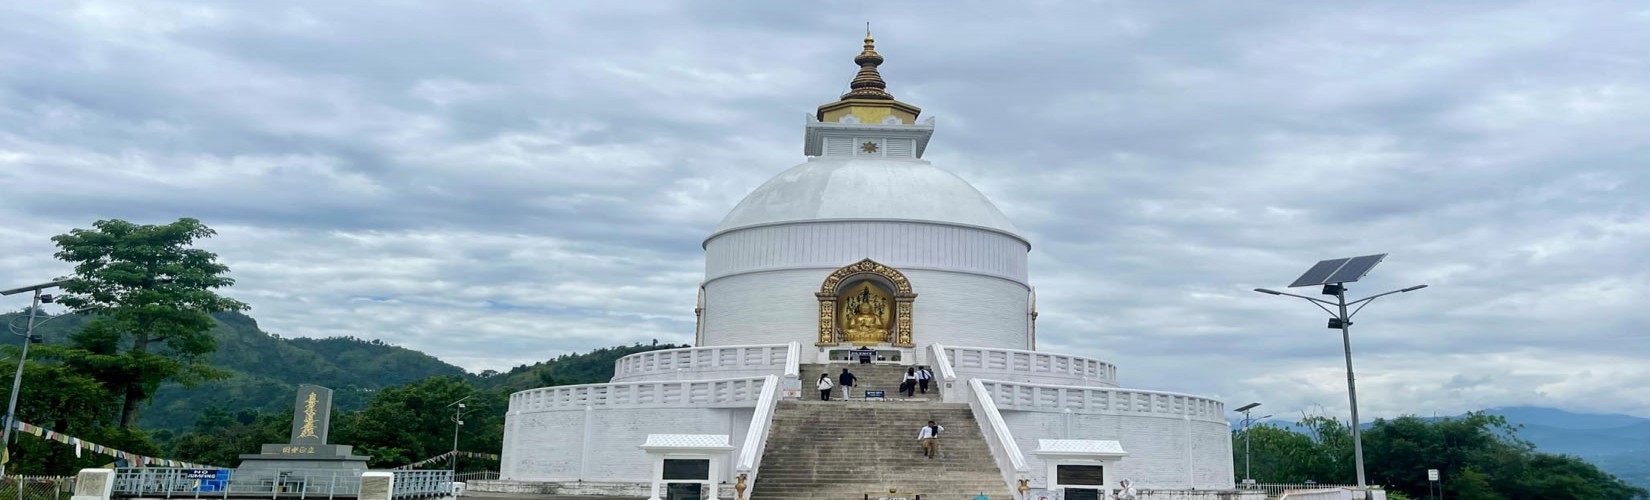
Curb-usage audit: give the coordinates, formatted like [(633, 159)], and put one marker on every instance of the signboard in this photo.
[(1045, 495), (203, 473), (1432, 474), (792, 389), (874, 394)]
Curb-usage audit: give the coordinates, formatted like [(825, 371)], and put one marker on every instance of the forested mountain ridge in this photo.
[(264, 370)]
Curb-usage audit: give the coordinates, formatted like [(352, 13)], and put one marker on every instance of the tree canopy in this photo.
[(1478, 456), (148, 288)]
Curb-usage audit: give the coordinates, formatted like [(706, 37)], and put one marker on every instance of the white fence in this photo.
[(1038, 397), (1031, 367), (703, 362), (1010, 460), (756, 438), (725, 393)]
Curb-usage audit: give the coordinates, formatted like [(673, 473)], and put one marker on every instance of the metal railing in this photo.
[(161, 482), (756, 438), (36, 488), (1010, 460), (422, 483), (476, 476), (1274, 490)]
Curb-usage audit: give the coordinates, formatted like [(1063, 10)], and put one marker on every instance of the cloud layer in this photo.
[(502, 183)]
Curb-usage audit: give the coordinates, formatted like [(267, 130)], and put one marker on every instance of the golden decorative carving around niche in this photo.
[(855, 306)]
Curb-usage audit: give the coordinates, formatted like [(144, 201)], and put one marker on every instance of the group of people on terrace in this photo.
[(916, 379)]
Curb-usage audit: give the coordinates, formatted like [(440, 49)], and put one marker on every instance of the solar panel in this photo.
[(1318, 273), (1355, 269)]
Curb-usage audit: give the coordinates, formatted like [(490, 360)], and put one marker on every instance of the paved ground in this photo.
[(528, 496)]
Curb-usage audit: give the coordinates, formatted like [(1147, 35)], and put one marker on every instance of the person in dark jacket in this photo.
[(923, 377), (909, 385), (846, 380)]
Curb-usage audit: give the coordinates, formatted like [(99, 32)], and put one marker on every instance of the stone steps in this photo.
[(845, 450)]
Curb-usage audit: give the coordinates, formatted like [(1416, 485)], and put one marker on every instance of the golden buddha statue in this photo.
[(865, 328)]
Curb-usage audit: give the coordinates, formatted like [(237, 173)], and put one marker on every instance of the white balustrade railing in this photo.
[(725, 393), (948, 376), (1031, 366), (793, 360), (1010, 460), (1041, 397), (703, 362), (756, 437)]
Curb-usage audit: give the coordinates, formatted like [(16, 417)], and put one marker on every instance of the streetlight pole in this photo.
[(17, 380), (1343, 320), (458, 420), (1245, 409)]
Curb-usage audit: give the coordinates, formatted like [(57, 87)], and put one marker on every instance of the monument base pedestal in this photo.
[(289, 457)]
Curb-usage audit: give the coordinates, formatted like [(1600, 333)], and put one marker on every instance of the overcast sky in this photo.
[(498, 183)]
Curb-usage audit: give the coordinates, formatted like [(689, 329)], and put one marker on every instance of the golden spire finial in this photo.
[(868, 82), (868, 100)]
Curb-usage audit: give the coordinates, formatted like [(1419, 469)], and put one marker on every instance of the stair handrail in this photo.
[(1010, 460), (756, 437), (793, 360), (936, 353)]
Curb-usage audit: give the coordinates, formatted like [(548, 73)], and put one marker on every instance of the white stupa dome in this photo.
[(836, 188)]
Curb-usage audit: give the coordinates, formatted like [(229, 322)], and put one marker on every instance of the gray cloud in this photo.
[(500, 184)]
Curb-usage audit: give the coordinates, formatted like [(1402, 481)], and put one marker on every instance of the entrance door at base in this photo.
[(1081, 482)]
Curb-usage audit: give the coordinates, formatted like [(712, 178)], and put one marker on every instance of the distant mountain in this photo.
[(1550, 417)]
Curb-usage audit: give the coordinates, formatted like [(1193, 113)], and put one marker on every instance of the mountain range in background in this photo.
[(265, 369)]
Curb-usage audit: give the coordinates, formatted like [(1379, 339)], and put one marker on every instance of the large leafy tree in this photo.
[(153, 295), (1478, 455), (414, 421)]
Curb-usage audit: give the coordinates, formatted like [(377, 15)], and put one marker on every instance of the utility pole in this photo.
[(17, 380)]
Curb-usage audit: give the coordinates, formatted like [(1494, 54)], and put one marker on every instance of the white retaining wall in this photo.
[(602, 445), (1174, 441)]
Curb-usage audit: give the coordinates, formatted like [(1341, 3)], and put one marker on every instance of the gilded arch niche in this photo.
[(861, 285)]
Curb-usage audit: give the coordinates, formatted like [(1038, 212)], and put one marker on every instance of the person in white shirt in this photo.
[(923, 376), (1125, 490), (825, 386), (929, 436)]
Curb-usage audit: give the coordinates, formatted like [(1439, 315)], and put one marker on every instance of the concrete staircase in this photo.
[(873, 377), (842, 450)]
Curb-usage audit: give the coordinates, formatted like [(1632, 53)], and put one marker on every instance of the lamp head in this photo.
[(1268, 292), (1413, 288)]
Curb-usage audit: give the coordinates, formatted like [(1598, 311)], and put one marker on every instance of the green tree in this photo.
[(220, 437), (153, 295), (55, 398), (412, 422)]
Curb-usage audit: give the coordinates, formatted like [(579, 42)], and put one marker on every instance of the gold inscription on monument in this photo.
[(308, 430)]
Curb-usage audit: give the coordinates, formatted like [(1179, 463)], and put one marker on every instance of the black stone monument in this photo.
[(308, 449)]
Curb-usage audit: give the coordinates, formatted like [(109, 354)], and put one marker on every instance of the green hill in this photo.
[(266, 369)]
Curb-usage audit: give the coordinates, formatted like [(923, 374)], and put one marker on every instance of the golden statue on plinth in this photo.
[(865, 328)]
